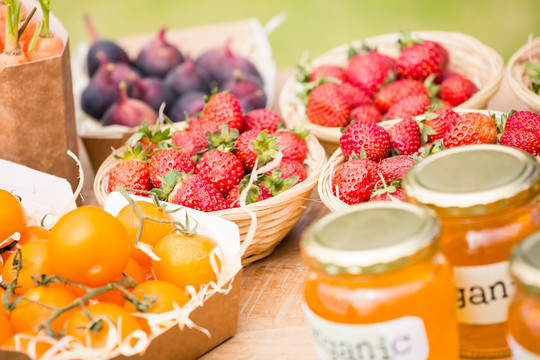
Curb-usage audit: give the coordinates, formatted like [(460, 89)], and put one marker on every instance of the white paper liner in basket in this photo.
[(468, 56), (324, 187), (516, 73)]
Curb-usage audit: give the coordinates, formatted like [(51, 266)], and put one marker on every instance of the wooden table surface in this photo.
[(271, 323)]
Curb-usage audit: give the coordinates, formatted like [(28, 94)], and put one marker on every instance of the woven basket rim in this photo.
[(332, 202), (515, 71), (294, 112)]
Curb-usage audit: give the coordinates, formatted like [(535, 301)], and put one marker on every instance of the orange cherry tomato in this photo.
[(35, 261), (185, 260), (23, 342), (6, 331), (78, 324), (164, 294), (27, 316), (12, 217), (33, 232), (152, 231), (135, 272), (89, 246)]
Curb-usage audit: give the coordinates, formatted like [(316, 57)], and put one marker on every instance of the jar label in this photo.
[(399, 339), (483, 293), (519, 352)]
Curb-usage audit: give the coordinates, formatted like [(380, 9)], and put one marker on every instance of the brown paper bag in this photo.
[(37, 112)]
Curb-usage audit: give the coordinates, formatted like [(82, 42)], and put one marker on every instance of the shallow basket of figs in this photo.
[(467, 56), (275, 216), (522, 70)]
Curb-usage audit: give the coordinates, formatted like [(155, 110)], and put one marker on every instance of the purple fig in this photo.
[(100, 94), (158, 57), (191, 103), (247, 89), (118, 72), (153, 91), (128, 112), (188, 77)]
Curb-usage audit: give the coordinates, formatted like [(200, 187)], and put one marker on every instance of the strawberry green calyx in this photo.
[(302, 134), (254, 191), (275, 184), (407, 39), (168, 183), (137, 152), (223, 139), (533, 72), (155, 136), (266, 147), (383, 188)]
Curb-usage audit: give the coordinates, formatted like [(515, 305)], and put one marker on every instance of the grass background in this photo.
[(316, 25)]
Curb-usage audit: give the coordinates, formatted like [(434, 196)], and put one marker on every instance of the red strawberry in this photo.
[(291, 168), (353, 181), (387, 194), (204, 127), (327, 107), (397, 90), (367, 136), (523, 120), (405, 136), (367, 113), (147, 137), (256, 193), (394, 167), (223, 108), (418, 60), (437, 46), (253, 143), (368, 71), (293, 145), (322, 72), (354, 95), (189, 141), (190, 190), (262, 119), (440, 121), (456, 90), (220, 168), (471, 128), (132, 171), (408, 106), (168, 159), (522, 139)]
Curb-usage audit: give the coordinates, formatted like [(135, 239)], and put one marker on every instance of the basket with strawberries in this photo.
[(237, 166), (523, 74), (373, 158), (387, 77)]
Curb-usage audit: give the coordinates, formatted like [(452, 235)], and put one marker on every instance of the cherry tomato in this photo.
[(134, 271), (164, 294), (12, 217), (41, 347), (185, 260), (77, 325), (6, 330), (35, 261), (89, 246), (152, 231), (33, 232)]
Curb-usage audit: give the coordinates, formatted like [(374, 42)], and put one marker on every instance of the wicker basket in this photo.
[(515, 72), (468, 56), (275, 216), (324, 187)]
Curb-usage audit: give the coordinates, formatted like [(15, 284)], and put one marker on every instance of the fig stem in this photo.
[(90, 28)]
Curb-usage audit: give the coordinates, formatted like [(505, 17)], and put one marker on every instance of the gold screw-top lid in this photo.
[(525, 263), (371, 238), (473, 180)]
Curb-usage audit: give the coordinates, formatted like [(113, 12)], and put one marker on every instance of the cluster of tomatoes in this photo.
[(87, 267)]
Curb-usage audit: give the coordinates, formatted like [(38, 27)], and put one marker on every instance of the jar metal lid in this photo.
[(371, 238), (473, 180), (525, 263)]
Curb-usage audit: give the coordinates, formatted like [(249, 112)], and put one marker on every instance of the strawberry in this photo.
[(408, 106), (523, 120), (190, 190), (190, 141), (439, 121), (323, 72), (367, 113), (405, 136), (397, 90), (471, 128), (352, 182), (394, 167), (254, 143), (168, 159), (418, 60), (223, 107), (293, 145), (262, 119), (388, 193), (204, 127), (443, 52), (148, 137), (368, 71), (522, 139), (291, 168), (327, 107), (278, 180), (132, 170), (257, 192), (456, 90), (354, 95), (367, 136), (220, 168)]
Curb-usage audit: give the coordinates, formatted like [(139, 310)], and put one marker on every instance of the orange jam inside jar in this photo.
[(377, 287), (524, 311), (486, 198)]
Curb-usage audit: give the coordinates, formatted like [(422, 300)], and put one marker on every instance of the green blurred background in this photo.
[(317, 25)]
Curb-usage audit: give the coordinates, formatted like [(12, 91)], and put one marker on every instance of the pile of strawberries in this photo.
[(377, 158), (374, 86), (208, 164)]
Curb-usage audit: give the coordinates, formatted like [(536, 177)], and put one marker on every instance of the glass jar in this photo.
[(486, 198), (524, 311), (377, 287)]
